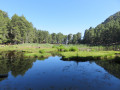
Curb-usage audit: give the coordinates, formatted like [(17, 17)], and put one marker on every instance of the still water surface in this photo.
[(56, 74)]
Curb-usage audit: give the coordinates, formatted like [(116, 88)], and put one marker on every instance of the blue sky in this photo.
[(66, 16)]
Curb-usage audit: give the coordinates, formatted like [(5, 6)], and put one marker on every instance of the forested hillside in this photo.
[(18, 30), (106, 33)]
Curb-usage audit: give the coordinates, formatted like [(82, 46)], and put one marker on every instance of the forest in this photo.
[(106, 33), (18, 30)]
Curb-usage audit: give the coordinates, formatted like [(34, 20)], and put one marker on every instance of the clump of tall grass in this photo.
[(61, 48), (73, 48), (66, 50), (41, 51), (54, 46)]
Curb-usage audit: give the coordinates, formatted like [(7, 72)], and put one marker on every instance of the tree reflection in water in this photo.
[(15, 62), (57, 74), (110, 66)]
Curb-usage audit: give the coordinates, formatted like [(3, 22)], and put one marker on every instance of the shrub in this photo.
[(73, 49), (41, 51), (61, 48)]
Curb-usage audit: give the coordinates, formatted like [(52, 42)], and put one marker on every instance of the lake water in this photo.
[(56, 74)]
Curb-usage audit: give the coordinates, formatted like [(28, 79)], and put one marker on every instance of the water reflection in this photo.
[(111, 66), (14, 62), (55, 74)]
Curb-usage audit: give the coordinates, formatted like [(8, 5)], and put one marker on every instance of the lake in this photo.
[(56, 74)]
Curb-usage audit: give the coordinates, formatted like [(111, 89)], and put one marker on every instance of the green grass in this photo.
[(67, 51), (27, 47), (73, 48), (101, 55), (41, 51), (30, 50)]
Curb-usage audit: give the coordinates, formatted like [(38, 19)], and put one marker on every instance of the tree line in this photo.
[(19, 30), (106, 33)]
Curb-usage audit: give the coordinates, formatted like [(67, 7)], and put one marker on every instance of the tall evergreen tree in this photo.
[(69, 38), (53, 36), (3, 27)]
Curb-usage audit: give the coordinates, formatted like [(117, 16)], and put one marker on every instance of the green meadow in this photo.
[(67, 52)]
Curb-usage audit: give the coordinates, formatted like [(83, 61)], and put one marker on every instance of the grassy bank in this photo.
[(84, 52), (30, 50), (68, 52), (84, 55)]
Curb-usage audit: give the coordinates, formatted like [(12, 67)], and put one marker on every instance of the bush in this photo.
[(41, 51), (73, 49), (61, 48)]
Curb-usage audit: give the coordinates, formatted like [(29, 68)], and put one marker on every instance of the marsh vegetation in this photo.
[(68, 52)]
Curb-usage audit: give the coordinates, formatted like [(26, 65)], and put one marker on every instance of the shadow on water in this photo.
[(3, 76), (91, 58), (80, 59)]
